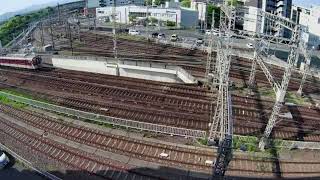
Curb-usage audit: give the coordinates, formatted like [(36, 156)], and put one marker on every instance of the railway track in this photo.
[(196, 120), (148, 151), (102, 45), (66, 156), (245, 123)]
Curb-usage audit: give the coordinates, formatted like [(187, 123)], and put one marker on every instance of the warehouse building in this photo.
[(105, 3), (181, 17)]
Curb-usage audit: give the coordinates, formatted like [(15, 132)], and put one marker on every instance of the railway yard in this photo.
[(174, 119)]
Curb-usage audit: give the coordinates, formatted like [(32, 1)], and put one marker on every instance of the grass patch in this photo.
[(267, 92), (7, 101), (150, 135), (251, 143), (248, 142), (203, 141), (130, 37), (292, 97), (23, 94)]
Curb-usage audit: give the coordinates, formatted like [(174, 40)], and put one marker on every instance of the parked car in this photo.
[(174, 38), (250, 46), (4, 160), (199, 41), (202, 31), (161, 36), (134, 32), (154, 35), (214, 32)]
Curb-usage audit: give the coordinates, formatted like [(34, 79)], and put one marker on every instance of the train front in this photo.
[(36, 62)]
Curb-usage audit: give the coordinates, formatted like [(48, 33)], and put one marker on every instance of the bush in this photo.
[(249, 142), (171, 23), (203, 141), (153, 20)]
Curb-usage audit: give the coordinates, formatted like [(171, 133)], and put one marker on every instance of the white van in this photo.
[(4, 160), (174, 38), (134, 32)]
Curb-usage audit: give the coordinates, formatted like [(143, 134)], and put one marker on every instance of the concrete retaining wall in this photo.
[(128, 68)]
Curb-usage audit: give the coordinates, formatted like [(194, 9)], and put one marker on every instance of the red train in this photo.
[(21, 61)]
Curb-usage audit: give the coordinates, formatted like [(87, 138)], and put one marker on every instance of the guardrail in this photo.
[(107, 119), (29, 164)]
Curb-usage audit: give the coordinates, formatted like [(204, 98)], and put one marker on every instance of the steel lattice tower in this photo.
[(278, 25), (221, 126), (307, 59), (281, 89)]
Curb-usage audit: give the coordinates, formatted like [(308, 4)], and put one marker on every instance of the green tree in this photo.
[(233, 2), (148, 2), (15, 25), (132, 18), (159, 2), (210, 9), (186, 3), (171, 23)]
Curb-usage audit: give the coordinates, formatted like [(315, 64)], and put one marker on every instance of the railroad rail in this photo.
[(289, 129), (107, 119), (66, 156), (197, 159)]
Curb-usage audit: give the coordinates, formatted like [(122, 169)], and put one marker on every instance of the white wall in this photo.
[(201, 7), (96, 4), (123, 13), (252, 22), (312, 21), (134, 69), (164, 14)]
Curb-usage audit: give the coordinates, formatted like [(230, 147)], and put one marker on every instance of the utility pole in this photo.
[(79, 28), (209, 68), (114, 23), (70, 37), (147, 23), (51, 32), (42, 38), (59, 12), (95, 28)]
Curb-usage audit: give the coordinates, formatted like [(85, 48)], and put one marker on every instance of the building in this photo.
[(105, 3), (201, 7), (181, 17), (93, 3), (310, 20), (253, 22)]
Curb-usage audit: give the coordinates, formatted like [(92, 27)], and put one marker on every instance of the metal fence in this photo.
[(107, 119)]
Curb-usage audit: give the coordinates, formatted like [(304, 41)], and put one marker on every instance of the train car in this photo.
[(21, 61)]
